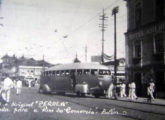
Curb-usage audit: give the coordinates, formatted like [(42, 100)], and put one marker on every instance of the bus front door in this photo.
[(72, 81)]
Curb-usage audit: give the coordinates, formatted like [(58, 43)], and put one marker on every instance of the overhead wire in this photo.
[(75, 12), (83, 24), (92, 18)]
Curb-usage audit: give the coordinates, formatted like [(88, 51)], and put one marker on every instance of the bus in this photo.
[(80, 78)]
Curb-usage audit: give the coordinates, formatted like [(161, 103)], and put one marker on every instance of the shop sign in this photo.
[(150, 30)]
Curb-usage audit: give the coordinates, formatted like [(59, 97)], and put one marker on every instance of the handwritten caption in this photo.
[(56, 107)]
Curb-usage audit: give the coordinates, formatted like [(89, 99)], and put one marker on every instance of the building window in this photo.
[(137, 52), (159, 44), (138, 15), (159, 47), (159, 9)]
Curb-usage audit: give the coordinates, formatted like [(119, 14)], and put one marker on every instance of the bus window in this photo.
[(53, 73), (94, 72), (87, 72), (62, 73), (67, 72), (79, 72), (100, 72), (104, 72), (44, 73), (72, 72), (108, 72), (57, 73), (50, 73), (47, 73)]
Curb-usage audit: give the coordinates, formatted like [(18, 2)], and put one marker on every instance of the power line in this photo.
[(82, 25), (76, 11)]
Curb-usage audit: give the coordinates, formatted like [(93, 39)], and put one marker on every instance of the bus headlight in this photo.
[(100, 83)]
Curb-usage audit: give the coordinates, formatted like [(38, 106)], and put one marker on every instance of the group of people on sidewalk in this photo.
[(6, 86), (112, 91)]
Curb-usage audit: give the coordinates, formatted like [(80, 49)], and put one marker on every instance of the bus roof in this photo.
[(77, 66)]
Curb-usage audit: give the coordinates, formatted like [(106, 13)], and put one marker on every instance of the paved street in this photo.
[(31, 105)]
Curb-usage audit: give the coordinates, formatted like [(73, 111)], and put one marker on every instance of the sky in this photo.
[(36, 28)]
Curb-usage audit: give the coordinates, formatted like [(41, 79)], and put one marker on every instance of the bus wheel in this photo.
[(46, 89), (82, 94), (40, 90), (78, 94), (61, 93), (96, 95)]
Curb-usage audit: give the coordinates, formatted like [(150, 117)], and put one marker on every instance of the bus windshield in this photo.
[(104, 72)]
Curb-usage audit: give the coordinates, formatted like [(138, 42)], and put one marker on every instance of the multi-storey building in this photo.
[(145, 45), (30, 71)]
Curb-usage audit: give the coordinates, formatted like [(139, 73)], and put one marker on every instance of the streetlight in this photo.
[(114, 12)]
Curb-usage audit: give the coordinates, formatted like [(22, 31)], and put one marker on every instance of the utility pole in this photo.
[(85, 53), (43, 64), (114, 12), (103, 17), (1, 24)]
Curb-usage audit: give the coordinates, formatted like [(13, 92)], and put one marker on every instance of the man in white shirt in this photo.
[(18, 87), (133, 91), (122, 90), (110, 90), (150, 91), (7, 85)]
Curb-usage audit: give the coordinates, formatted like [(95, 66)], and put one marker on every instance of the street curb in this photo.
[(134, 105), (133, 101)]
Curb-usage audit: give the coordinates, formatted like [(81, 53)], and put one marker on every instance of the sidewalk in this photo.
[(160, 102), (141, 109)]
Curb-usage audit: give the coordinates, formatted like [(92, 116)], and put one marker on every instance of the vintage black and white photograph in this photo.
[(82, 59)]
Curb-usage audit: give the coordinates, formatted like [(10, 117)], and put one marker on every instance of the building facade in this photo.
[(30, 71), (21, 67), (110, 64), (120, 67), (145, 45)]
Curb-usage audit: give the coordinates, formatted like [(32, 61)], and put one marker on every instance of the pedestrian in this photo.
[(110, 90), (114, 91), (122, 90), (2, 97), (150, 91), (7, 85), (18, 87), (14, 83), (29, 83), (133, 91)]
